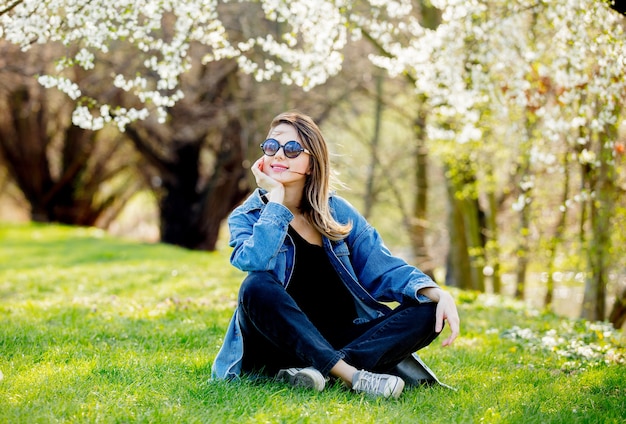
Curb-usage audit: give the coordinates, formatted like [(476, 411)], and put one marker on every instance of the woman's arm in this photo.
[(385, 276), (258, 235)]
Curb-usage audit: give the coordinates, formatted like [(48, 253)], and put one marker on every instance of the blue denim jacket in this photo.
[(258, 232)]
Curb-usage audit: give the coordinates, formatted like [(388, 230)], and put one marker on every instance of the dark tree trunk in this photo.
[(227, 187), (466, 229), (58, 167), (196, 194), (180, 204), (66, 189), (618, 312), (420, 204), (190, 217), (24, 143), (458, 264)]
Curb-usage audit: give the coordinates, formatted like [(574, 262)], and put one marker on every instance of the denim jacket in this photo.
[(258, 234)]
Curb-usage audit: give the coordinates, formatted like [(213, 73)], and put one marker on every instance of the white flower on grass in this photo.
[(590, 346), (551, 340)]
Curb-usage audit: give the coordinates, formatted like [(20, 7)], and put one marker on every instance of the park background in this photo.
[(485, 140)]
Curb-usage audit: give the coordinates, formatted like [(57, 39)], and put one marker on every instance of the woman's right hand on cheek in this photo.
[(264, 181)]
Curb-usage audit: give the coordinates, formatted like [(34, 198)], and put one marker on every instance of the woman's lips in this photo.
[(279, 168)]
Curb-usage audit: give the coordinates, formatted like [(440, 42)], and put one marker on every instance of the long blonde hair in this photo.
[(317, 187)]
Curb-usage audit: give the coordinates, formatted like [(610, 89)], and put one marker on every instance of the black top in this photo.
[(318, 290)]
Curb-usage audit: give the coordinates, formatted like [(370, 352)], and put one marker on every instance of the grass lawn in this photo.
[(97, 329)]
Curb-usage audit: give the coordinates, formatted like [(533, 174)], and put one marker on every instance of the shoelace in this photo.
[(369, 382)]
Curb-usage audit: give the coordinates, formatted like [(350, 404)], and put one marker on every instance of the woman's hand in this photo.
[(275, 189), (446, 311)]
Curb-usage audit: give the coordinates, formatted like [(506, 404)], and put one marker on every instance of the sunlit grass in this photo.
[(98, 329)]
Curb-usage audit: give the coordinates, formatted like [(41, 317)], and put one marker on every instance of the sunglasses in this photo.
[(291, 148)]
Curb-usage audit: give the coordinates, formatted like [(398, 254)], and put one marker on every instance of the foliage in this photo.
[(98, 329)]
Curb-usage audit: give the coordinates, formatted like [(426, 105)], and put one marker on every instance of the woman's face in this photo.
[(279, 166)]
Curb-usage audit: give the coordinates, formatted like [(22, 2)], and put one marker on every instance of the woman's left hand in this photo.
[(446, 311)]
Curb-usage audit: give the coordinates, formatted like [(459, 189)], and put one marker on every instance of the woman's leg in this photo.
[(277, 334), (383, 343)]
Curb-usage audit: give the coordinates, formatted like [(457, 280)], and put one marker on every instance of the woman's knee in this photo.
[(424, 313), (257, 287)]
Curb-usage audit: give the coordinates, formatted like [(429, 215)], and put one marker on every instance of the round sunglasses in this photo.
[(292, 149)]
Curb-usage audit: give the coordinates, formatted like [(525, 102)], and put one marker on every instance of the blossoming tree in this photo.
[(306, 54), (556, 68)]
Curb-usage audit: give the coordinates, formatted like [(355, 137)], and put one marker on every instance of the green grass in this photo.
[(97, 329)]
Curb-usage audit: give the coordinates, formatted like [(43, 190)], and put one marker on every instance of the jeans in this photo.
[(277, 334)]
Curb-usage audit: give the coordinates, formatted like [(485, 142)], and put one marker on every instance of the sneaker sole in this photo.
[(308, 379)]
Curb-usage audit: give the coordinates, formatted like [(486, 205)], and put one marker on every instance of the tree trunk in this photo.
[(24, 142), (492, 246), (180, 204), (475, 244), (419, 220), (370, 190), (458, 263), (226, 188), (601, 214), (618, 312), (522, 252), (191, 213), (57, 165), (556, 238)]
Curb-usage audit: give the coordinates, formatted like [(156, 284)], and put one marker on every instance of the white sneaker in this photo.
[(309, 378), (384, 385)]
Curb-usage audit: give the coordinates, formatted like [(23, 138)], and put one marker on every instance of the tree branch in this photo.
[(10, 7), (385, 53)]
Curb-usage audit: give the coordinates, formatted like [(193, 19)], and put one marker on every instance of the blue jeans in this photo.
[(277, 334)]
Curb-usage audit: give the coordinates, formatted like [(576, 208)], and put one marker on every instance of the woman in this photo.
[(311, 305)]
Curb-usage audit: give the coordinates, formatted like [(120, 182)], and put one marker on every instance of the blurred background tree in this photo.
[(65, 173)]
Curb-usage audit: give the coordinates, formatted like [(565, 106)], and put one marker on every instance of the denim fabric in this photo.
[(277, 334), (258, 235)]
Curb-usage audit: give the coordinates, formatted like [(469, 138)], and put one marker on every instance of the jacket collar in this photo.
[(257, 201)]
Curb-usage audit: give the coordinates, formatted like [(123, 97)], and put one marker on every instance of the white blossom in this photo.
[(483, 56), (587, 157), (308, 52)]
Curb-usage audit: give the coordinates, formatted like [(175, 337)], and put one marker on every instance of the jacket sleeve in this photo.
[(257, 236), (385, 276)]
